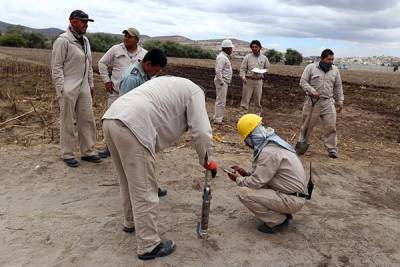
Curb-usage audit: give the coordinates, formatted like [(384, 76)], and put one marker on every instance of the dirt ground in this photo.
[(52, 215)]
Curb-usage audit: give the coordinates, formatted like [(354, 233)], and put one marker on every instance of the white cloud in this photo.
[(369, 23)]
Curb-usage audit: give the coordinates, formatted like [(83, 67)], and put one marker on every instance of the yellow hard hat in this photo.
[(246, 124)]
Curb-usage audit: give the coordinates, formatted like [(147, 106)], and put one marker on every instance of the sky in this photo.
[(348, 27)]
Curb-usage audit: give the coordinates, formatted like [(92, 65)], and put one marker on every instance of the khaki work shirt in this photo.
[(71, 64), (118, 59), (159, 111), (223, 68), (251, 61), (277, 169), (329, 84)]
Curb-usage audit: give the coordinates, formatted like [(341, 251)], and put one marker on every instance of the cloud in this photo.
[(362, 22)]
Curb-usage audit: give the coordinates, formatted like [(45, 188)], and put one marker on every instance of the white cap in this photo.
[(227, 44)]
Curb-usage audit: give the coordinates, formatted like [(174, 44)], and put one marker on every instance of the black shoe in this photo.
[(272, 230), (128, 229), (163, 249), (105, 153), (332, 153), (162, 192), (71, 162), (92, 158)]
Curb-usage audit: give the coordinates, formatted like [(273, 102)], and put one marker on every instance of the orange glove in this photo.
[(212, 166)]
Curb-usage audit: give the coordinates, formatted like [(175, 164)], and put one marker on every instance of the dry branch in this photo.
[(16, 118)]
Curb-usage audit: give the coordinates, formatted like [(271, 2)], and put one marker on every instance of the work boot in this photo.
[(163, 249), (92, 158), (277, 228), (73, 163), (105, 153), (162, 192), (332, 153)]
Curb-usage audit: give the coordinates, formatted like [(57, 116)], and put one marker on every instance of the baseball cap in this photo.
[(79, 14), (132, 32)]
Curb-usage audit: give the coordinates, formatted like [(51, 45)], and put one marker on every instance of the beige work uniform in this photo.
[(72, 75), (141, 123), (254, 82), (329, 85), (278, 171), (222, 79), (118, 59)]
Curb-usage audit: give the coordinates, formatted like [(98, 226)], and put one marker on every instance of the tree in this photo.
[(293, 57), (101, 42), (274, 56), (174, 49), (35, 40), (13, 39)]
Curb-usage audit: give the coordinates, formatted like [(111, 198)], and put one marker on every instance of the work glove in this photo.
[(212, 166), (241, 171), (232, 176)]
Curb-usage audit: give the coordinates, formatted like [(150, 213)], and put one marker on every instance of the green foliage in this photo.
[(173, 49), (293, 57), (101, 42), (18, 37), (12, 39), (274, 56)]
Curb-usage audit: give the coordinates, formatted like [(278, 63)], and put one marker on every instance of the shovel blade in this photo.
[(301, 148)]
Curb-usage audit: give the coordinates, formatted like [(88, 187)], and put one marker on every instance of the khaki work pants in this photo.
[(220, 101), (325, 111), (268, 205), (137, 182), (77, 105), (252, 89)]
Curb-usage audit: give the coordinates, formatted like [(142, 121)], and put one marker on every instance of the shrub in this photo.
[(101, 42), (173, 49), (293, 57), (274, 56)]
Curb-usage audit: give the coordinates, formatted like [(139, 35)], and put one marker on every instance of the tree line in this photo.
[(18, 36)]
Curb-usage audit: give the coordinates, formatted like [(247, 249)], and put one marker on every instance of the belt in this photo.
[(253, 78), (296, 194)]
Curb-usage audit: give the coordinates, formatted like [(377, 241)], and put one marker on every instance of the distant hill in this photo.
[(212, 44), (50, 32)]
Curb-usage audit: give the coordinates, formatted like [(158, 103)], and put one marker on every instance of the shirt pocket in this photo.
[(315, 81)]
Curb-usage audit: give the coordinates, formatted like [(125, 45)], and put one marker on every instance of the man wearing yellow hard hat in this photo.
[(276, 187)]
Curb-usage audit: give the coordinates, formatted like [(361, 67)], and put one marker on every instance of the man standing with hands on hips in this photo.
[(118, 58)]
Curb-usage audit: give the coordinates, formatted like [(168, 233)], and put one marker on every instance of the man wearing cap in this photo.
[(222, 79), (276, 186), (253, 81), (324, 99), (139, 124), (72, 75), (117, 59)]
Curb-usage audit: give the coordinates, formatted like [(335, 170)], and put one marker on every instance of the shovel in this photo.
[(301, 146)]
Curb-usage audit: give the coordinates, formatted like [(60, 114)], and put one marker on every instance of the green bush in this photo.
[(101, 42), (274, 56), (173, 49), (19, 37), (14, 39), (293, 57)]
